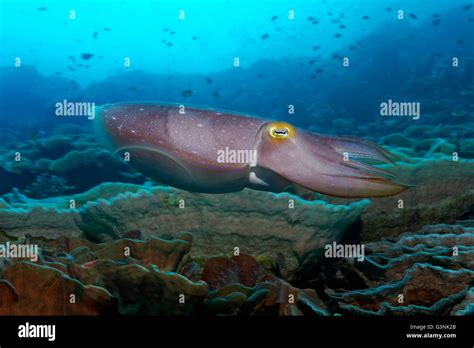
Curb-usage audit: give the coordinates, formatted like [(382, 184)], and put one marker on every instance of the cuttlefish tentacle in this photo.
[(360, 149), (352, 153), (199, 150), (370, 169)]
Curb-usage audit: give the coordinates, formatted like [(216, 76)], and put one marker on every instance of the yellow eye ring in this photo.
[(281, 130), (280, 133)]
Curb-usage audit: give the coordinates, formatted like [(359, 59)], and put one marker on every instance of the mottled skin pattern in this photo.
[(181, 150)]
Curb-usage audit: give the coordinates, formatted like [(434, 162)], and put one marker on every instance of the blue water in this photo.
[(282, 61)]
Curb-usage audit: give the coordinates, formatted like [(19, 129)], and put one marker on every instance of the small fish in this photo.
[(319, 70), (86, 56), (95, 35), (435, 15), (216, 94), (260, 76), (460, 42), (172, 32), (337, 35), (315, 48), (132, 88), (274, 18), (365, 17), (310, 19), (194, 38), (187, 93), (467, 7), (342, 26), (169, 44), (312, 61), (106, 29), (435, 22), (388, 9), (413, 16), (352, 47), (314, 22), (208, 80), (264, 36), (42, 8), (70, 68)]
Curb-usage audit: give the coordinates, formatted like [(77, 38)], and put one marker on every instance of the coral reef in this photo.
[(429, 272), (20, 298), (142, 277), (46, 185), (44, 164), (443, 193), (218, 225)]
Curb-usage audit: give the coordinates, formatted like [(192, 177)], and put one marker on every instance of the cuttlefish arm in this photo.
[(181, 150)]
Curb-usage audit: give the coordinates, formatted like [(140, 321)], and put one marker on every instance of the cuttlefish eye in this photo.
[(281, 130)]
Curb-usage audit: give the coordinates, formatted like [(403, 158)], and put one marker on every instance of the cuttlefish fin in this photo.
[(159, 152)]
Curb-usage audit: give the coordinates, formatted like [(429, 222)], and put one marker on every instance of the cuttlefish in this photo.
[(211, 151)]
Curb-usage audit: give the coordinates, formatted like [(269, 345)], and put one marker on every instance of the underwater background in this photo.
[(125, 245)]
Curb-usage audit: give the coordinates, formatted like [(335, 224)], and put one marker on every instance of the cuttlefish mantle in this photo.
[(204, 150)]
